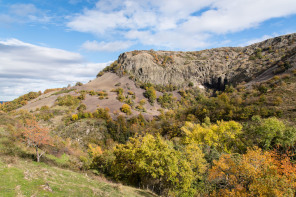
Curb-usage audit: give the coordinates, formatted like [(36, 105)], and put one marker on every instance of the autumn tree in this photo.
[(36, 136), (256, 173), (222, 136), (153, 162), (94, 150)]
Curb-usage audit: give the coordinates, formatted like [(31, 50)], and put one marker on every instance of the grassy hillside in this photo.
[(26, 178)]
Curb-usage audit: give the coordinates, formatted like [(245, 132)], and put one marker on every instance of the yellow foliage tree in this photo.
[(154, 163), (94, 150), (222, 136)]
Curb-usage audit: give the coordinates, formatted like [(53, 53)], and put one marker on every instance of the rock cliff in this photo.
[(212, 67)]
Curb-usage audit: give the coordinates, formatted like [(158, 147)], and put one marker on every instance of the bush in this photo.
[(120, 97), (259, 53), (166, 100), (118, 90), (130, 93), (81, 96), (92, 93), (262, 89), (81, 107), (44, 108), (78, 84), (74, 117), (140, 108), (126, 109), (19, 102), (67, 100), (150, 93), (102, 113), (100, 74), (51, 90), (142, 102)]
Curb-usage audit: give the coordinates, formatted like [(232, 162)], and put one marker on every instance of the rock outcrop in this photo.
[(213, 67)]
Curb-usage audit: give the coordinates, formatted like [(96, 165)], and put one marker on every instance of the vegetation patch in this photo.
[(63, 91), (67, 100)]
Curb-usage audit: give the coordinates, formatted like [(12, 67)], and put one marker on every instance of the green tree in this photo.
[(269, 133)]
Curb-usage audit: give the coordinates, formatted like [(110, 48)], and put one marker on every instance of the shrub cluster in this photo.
[(67, 100)]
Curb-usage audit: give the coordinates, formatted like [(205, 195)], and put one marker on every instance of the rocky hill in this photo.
[(213, 67)]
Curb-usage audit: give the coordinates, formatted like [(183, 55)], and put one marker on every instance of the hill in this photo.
[(213, 68), (212, 122), (171, 71)]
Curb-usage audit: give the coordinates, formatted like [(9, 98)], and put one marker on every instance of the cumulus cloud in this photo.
[(106, 46), (185, 24), (26, 67)]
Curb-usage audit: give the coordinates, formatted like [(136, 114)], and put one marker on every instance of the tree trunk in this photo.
[(37, 155)]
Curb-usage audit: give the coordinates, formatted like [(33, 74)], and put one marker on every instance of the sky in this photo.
[(50, 44)]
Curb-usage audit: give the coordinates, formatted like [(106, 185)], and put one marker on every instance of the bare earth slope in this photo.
[(107, 82)]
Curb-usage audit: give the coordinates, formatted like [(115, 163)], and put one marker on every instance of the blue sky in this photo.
[(46, 44)]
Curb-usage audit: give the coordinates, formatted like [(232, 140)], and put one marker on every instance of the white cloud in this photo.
[(232, 16), (185, 24), (106, 46), (26, 67)]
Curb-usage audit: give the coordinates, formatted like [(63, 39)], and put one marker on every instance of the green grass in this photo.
[(26, 178), (60, 161)]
